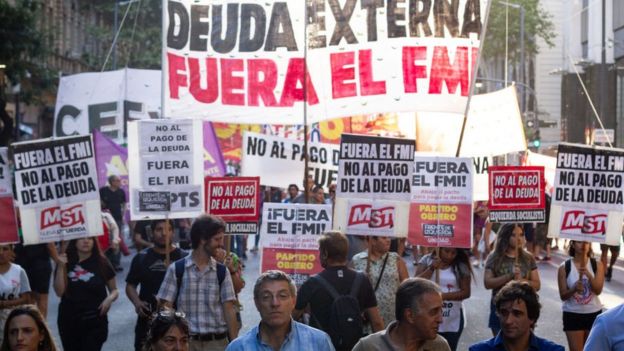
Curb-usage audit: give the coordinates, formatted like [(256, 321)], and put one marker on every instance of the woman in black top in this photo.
[(85, 282)]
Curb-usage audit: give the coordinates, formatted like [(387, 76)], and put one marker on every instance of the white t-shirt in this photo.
[(585, 302), (13, 283)]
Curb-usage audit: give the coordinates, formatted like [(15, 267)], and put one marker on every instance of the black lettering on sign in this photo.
[(220, 43), (252, 40), (342, 16)]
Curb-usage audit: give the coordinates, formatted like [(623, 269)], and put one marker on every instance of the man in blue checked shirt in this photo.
[(275, 297)]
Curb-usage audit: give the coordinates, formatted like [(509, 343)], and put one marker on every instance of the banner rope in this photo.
[(138, 12), (110, 50)]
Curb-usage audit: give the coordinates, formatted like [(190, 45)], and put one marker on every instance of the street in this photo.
[(122, 317)]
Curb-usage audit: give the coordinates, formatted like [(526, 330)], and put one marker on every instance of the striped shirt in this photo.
[(201, 298)]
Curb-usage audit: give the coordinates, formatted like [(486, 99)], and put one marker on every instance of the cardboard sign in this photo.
[(517, 194), (441, 204), (56, 184), (373, 188), (375, 167), (280, 161), (289, 238), (166, 161), (236, 200), (588, 201), (256, 62), (8, 222)]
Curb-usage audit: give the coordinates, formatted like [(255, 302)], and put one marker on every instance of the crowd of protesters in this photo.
[(364, 298)]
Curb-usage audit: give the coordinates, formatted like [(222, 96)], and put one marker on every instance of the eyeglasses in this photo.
[(166, 315)]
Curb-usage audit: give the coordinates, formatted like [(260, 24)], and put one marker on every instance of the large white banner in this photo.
[(238, 62), (56, 184), (106, 101), (280, 161), (165, 159)]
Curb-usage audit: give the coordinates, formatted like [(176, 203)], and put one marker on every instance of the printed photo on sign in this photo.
[(289, 238)]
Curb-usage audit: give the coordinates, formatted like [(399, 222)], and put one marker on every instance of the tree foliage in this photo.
[(139, 40), (22, 45), (537, 23)]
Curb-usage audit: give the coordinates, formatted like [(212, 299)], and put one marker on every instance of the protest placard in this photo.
[(56, 184), (8, 223), (517, 194), (373, 188), (166, 163), (441, 204), (289, 238), (106, 101), (375, 167), (280, 161), (236, 200), (588, 201), (355, 58)]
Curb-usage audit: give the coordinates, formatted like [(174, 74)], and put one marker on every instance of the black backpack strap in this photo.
[(179, 273), (568, 265), (328, 287), (221, 270)]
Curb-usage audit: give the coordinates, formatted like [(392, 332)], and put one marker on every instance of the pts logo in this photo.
[(67, 217), (374, 217), (594, 224)]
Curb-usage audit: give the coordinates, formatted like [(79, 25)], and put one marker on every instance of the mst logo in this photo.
[(375, 217), (67, 217), (594, 224)]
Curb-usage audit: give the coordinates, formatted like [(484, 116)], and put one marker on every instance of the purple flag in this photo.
[(214, 166), (110, 159)]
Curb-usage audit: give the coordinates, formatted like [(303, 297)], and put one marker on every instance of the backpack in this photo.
[(179, 273), (345, 321), (568, 265)]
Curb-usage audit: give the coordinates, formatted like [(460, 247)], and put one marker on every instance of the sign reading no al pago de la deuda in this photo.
[(588, 200), (166, 169), (56, 184)]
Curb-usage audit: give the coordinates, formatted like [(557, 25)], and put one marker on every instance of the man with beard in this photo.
[(147, 271), (518, 308), (205, 292)]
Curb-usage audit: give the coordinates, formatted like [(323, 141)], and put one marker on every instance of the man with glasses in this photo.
[(275, 296), (148, 271)]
